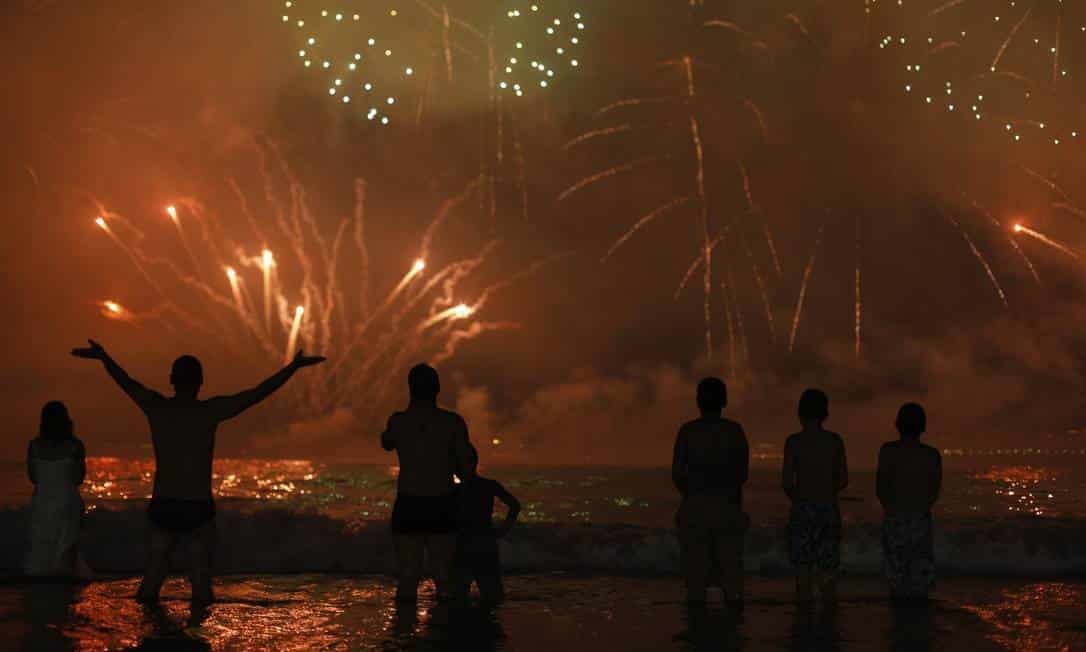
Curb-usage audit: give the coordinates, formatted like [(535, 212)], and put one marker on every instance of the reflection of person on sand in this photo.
[(814, 472), (432, 445), (477, 558), (709, 468), (183, 435), (909, 477), (56, 465)]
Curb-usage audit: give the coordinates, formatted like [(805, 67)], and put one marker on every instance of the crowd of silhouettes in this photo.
[(442, 521)]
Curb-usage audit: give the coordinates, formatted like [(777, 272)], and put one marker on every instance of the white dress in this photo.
[(55, 514)]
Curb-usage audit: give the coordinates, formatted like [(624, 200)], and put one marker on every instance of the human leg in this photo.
[(696, 558), (409, 554), (201, 557), (160, 545), (729, 555), (441, 549)]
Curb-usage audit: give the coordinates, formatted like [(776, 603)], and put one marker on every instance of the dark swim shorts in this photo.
[(424, 515), (180, 516)]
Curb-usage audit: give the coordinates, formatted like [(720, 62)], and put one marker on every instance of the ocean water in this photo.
[(998, 515), (305, 563)]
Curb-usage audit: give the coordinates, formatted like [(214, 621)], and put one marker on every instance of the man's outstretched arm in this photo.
[(135, 390), (228, 407)]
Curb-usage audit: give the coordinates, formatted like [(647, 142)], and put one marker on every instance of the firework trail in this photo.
[(762, 290), (1058, 246), (699, 261), (608, 173), (858, 296), (648, 217), (703, 203), (980, 258), (1010, 238), (737, 309), (302, 303), (803, 291)]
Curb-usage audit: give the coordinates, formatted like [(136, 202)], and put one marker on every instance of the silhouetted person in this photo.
[(909, 478), (477, 558), (432, 445), (814, 472), (56, 465), (710, 464), (183, 435)]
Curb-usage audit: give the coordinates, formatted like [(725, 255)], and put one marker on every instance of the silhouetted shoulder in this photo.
[(451, 416), (734, 426), (838, 439), (688, 426), (932, 452), (790, 440)]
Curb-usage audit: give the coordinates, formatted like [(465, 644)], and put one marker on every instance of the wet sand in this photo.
[(544, 612)]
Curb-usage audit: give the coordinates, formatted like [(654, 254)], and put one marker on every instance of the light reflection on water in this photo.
[(545, 612)]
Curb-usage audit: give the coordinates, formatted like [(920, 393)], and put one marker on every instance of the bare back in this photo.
[(432, 445), (909, 476), (815, 468)]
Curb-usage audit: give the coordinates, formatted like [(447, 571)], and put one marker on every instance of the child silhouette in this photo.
[(477, 558)]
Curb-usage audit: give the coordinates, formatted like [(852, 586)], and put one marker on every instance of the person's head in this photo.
[(55, 422), (814, 407), (712, 395), (912, 421), (187, 375), (423, 383)]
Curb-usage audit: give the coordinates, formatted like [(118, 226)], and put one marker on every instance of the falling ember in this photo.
[(459, 311), (112, 310), (803, 292), (171, 210), (235, 287), (294, 329), (267, 262), (101, 222), (1037, 235), (419, 265)]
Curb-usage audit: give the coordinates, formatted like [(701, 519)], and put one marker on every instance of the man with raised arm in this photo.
[(183, 434)]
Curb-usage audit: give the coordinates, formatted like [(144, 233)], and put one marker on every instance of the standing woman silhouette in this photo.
[(56, 465)]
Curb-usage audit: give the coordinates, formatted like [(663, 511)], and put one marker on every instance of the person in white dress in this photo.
[(56, 465)]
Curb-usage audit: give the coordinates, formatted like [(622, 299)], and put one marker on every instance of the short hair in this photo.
[(423, 382), (187, 371), (712, 394), (814, 404), (55, 422), (911, 420)]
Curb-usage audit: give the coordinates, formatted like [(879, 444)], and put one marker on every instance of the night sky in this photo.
[(132, 106)]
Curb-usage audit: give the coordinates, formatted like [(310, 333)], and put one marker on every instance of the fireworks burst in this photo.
[(305, 284), (682, 114), (538, 46), (1000, 64), (363, 55)]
